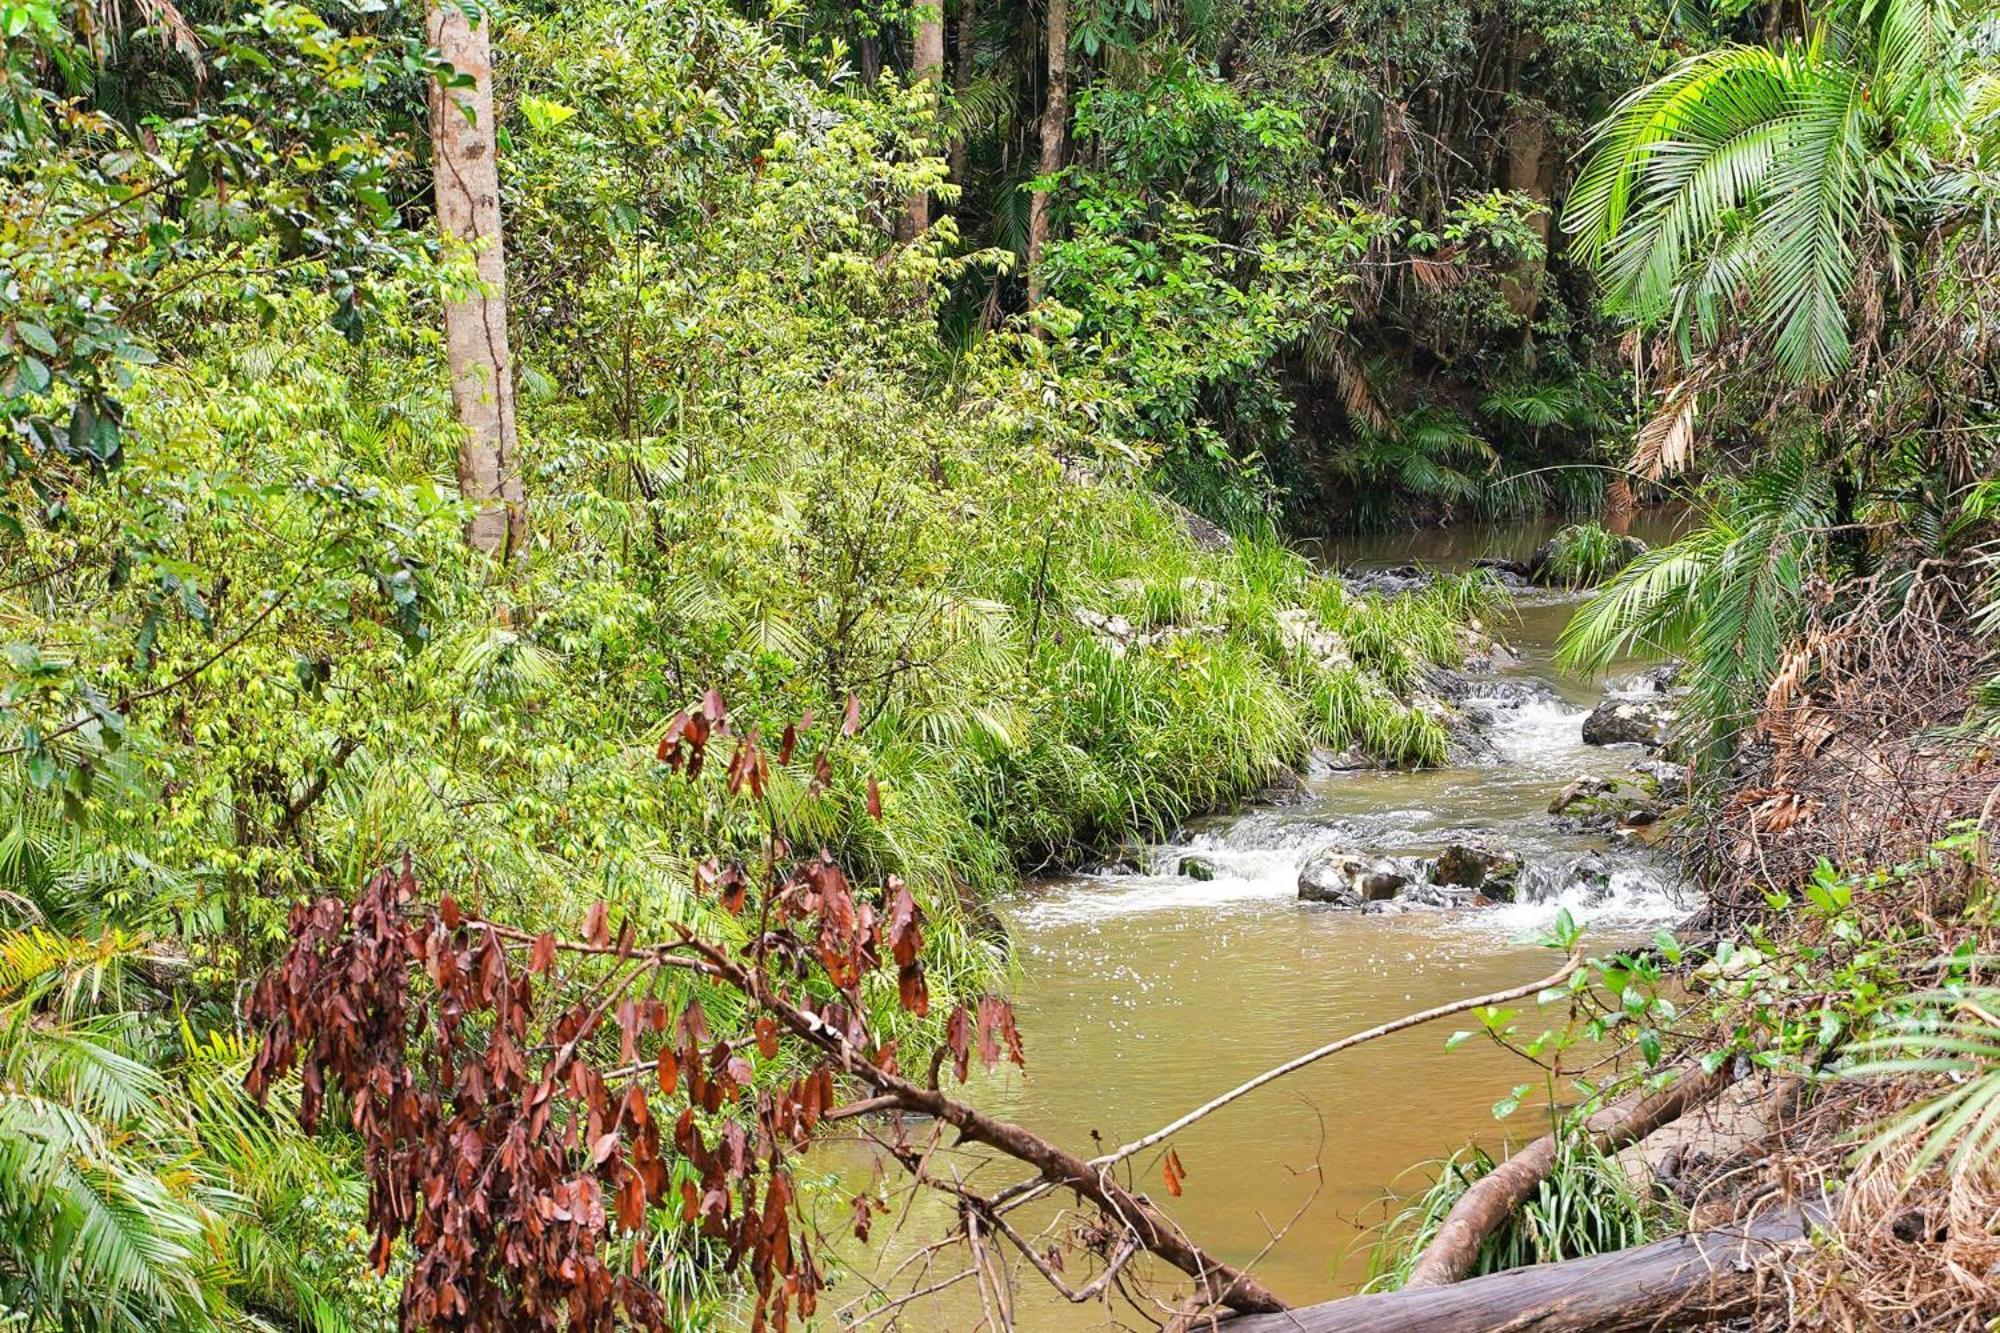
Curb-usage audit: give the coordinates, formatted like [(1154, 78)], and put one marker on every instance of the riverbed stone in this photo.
[(1494, 872), (1198, 868), (1629, 722), (1348, 880), (1323, 760), (1589, 873), (1581, 789), (1327, 877), (1668, 781), (1436, 897)]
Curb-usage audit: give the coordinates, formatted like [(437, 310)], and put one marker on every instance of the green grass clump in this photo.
[(1583, 555), (1586, 1205)]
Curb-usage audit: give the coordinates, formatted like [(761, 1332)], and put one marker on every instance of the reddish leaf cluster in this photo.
[(471, 1154), (499, 1079)]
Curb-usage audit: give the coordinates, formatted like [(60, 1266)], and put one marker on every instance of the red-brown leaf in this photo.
[(543, 956), (597, 924)]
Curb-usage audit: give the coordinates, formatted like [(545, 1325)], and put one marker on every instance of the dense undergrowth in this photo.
[(254, 660)]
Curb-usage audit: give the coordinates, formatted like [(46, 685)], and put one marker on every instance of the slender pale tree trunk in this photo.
[(961, 81), (927, 65), (1530, 171), (1055, 121), (475, 326)]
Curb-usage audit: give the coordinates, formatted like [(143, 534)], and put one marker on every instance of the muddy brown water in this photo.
[(1143, 994)]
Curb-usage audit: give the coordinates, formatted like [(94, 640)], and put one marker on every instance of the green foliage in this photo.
[(1726, 598), (139, 1188), (264, 146), (1429, 454), (1585, 1205), (1733, 189), (1583, 555)]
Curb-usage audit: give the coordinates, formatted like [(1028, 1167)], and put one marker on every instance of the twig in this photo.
[(1026, 1188)]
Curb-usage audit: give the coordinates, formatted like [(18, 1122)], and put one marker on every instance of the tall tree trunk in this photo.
[(1530, 172), (961, 82), (467, 182), (926, 65), (1055, 121)]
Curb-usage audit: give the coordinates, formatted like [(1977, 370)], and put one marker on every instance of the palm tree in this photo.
[(1768, 189)]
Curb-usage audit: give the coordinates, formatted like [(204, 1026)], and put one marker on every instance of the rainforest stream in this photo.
[(1143, 992)]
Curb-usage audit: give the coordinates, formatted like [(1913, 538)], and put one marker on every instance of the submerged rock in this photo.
[(1629, 722), (1436, 897), (1198, 868), (1615, 805), (1392, 581), (1589, 874)]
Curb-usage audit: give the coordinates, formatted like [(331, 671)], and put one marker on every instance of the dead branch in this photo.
[(1222, 1284), (1491, 1200), (1027, 1189)]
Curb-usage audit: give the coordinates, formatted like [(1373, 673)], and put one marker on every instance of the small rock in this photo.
[(1578, 790), (1395, 580), (1198, 868), (1668, 781), (1306, 638), (1494, 872), (1652, 680), (1508, 571), (1323, 760), (1628, 722), (1205, 535), (1435, 897)]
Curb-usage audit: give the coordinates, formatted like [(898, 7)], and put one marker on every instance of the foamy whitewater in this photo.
[(1501, 799)]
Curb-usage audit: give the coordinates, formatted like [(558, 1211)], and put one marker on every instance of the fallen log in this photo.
[(1492, 1199), (1680, 1282)]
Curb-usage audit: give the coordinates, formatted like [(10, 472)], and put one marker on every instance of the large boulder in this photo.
[(1493, 872), (1347, 880), (1629, 722)]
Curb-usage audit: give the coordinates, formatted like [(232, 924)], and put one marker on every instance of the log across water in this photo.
[(1680, 1282)]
